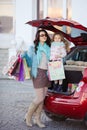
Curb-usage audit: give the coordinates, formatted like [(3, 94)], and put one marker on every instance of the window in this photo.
[(79, 55), (7, 16), (52, 8), (69, 9), (40, 9), (56, 9), (68, 14)]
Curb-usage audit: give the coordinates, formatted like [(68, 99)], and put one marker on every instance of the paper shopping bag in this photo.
[(56, 70), (10, 65), (21, 72), (15, 72), (26, 70)]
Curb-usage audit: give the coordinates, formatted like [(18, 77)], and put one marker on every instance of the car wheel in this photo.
[(85, 119), (86, 123), (56, 118)]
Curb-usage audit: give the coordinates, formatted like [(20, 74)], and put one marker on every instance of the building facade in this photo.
[(15, 13)]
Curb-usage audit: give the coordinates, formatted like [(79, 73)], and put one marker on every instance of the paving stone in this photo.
[(15, 98)]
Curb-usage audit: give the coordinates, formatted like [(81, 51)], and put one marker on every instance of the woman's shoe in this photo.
[(37, 119), (25, 117), (28, 117)]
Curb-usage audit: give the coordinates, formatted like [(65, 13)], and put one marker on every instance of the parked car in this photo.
[(72, 101)]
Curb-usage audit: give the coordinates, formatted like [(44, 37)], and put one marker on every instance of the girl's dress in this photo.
[(57, 50)]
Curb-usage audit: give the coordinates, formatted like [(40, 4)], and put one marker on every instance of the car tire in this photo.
[(56, 118), (85, 119)]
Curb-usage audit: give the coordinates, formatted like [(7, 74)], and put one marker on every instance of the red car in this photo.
[(72, 101)]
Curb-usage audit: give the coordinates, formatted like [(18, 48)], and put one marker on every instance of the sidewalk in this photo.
[(15, 98)]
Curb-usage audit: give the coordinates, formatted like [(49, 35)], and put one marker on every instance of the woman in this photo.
[(39, 56)]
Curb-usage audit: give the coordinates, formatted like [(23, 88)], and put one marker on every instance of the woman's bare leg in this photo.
[(39, 95)]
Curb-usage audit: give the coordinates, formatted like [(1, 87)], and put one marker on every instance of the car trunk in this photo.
[(77, 35), (73, 75)]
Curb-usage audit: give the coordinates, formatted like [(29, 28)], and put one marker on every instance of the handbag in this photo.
[(56, 70)]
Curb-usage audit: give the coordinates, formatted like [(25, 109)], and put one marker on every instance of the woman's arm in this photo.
[(28, 55)]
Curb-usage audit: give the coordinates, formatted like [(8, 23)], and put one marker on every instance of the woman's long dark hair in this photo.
[(36, 41)]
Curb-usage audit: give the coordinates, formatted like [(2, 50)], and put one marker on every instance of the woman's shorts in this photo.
[(42, 79)]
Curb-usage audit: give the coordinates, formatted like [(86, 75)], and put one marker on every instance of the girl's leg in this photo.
[(56, 81), (59, 89), (55, 85), (60, 82)]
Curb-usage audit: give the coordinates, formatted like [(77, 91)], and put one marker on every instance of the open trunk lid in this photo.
[(77, 35)]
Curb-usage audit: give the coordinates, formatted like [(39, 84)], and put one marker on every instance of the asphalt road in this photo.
[(15, 98)]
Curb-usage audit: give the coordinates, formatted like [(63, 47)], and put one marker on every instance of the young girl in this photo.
[(59, 49)]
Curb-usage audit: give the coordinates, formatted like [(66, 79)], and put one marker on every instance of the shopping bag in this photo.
[(16, 70), (21, 72), (10, 65), (12, 68), (56, 70), (26, 69)]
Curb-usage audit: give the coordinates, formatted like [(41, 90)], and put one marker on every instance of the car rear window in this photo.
[(80, 55), (73, 32)]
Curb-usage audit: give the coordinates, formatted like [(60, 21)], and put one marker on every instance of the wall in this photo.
[(79, 9), (25, 11)]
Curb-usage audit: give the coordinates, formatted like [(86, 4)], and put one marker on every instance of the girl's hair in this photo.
[(36, 41), (63, 40)]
